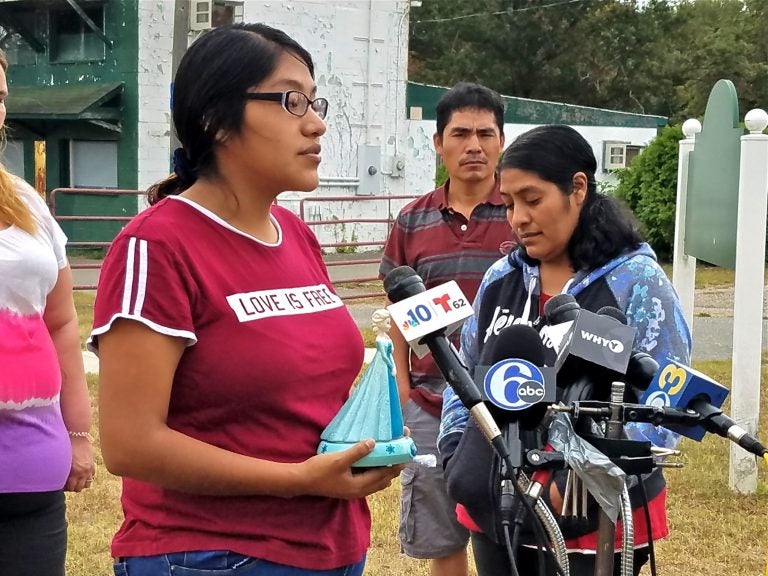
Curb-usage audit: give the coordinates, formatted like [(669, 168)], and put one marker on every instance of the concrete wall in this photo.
[(360, 49), (154, 81)]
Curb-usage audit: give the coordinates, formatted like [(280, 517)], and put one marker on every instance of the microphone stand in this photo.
[(632, 456), (507, 470), (542, 463), (606, 529)]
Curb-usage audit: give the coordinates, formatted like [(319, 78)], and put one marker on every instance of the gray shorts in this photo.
[(428, 525)]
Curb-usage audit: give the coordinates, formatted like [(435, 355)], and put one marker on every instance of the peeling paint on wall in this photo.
[(352, 65), (154, 66)]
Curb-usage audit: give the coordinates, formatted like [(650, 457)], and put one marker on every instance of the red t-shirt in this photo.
[(272, 353)]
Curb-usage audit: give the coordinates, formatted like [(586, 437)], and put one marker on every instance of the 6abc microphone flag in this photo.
[(514, 384)]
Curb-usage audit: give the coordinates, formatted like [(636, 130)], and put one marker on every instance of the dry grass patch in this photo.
[(94, 514), (714, 530), (84, 306)]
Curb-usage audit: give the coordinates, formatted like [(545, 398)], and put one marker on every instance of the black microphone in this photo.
[(560, 308), (516, 390), (715, 421), (613, 312), (641, 370), (596, 350), (518, 393), (560, 312), (403, 282)]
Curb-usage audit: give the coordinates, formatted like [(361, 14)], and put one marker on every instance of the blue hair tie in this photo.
[(181, 166)]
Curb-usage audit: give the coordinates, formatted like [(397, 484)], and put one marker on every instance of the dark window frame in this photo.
[(56, 18)]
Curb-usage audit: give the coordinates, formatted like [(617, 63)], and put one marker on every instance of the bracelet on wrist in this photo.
[(86, 435)]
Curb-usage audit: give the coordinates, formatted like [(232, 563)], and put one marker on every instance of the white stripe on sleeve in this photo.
[(142, 280), (128, 287)]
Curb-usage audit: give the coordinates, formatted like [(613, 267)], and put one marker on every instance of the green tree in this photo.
[(628, 60), (648, 187), (725, 39), (656, 57), (504, 44)]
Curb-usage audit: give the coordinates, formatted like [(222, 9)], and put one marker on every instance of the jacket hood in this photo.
[(581, 279)]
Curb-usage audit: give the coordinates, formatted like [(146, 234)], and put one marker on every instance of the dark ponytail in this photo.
[(208, 99), (183, 177), (606, 229)]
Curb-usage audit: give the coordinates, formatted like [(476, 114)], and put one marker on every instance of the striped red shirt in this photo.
[(442, 245)]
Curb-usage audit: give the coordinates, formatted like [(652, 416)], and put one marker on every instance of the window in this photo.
[(632, 153), (206, 14), (13, 158), (619, 154), (72, 40), (17, 50), (93, 164), (225, 13)]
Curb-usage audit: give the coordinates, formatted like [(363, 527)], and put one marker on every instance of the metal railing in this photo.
[(341, 246), (349, 262), (102, 192)]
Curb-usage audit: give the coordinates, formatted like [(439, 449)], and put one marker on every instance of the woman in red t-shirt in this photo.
[(224, 349)]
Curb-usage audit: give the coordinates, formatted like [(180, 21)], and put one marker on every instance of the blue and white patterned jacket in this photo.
[(509, 293)]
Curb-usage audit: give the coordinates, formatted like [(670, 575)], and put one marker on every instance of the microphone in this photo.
[(641, 370), (561, 308), (684, 388), (613, 312), (560, 312), (519, 389), (517, 384), (423, 316), (417, 311), (598, 347)]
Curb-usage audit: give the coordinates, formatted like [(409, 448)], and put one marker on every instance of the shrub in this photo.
[(649, 187), (441, 175)]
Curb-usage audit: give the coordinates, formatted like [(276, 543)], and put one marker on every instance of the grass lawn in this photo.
[(713, 531), (708, 276), (84, 304)]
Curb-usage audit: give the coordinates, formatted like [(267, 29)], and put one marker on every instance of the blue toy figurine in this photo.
[(373, 409)]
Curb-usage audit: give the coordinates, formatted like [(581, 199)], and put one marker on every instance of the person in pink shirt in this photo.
[(45, 411)]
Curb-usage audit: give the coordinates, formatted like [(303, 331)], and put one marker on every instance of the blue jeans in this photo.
[(219, 563)]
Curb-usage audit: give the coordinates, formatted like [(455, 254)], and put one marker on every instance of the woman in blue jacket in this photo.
[(572, 240)]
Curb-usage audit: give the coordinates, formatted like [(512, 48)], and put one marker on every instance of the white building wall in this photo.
[(154, 79), (423, 159), (360, 50)]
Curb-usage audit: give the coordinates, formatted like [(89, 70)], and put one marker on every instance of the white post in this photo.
[(684, 266), (748, 297)]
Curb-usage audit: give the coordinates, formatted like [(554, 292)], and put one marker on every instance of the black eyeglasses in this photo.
[(295, 102)]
